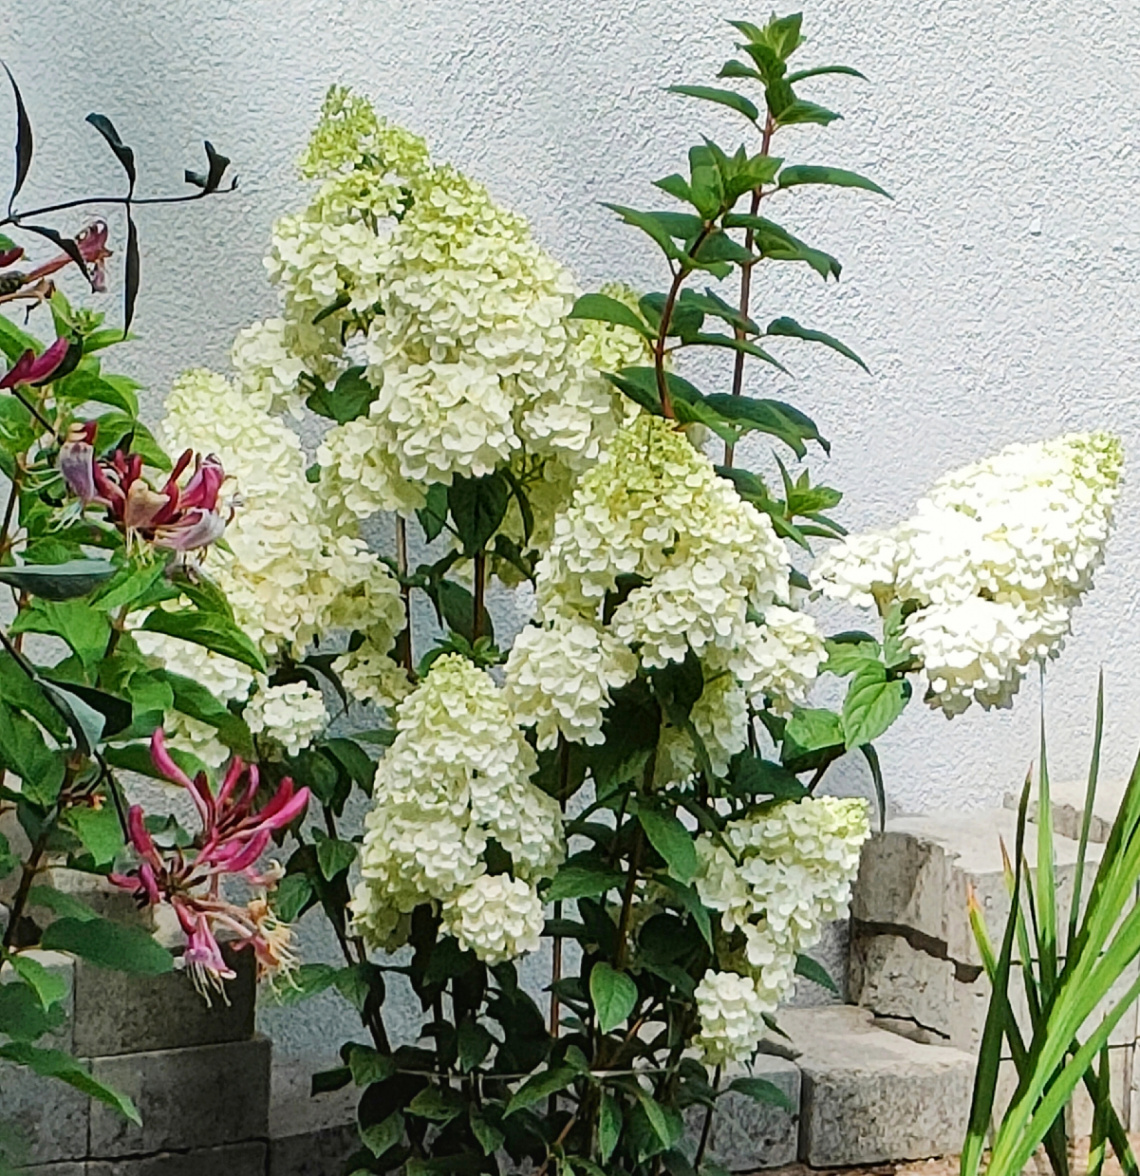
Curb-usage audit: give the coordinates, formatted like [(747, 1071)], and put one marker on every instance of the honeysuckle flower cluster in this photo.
[(183, 518), (992, 563), (233, 838), (457, 776), (775, 878), (708, 574)]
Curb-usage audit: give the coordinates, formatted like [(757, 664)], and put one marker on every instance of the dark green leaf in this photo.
[(582, 882), (613, 994), (25, 143), (209, 630), (609, 1126), (23, 1015), (293, 894), (671, 840), (349, 398), (751, 776), (737, 69), (651, 224), (369, 1065), (84, 386), (763, 1091), (769, 416), (872, 758), (308, 980), (729, 98), (62, 581), (774, 241), (383, 1136), (474, 1044), (24, 753), (602, 308), (333, 856), (98, 829), (478, 506), (326, 1081), (433, 514), (54, 1063), (813, 737), (489, 1137), (49, 986), (820, 70), (440, 1104), (8, 860), (790, 328), (814, 971), (60, 903), (799, 111), (116, 946), (797, 174), (540, 1086), (872, 704)]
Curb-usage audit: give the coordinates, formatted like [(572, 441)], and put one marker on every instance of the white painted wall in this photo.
[(995, 298)]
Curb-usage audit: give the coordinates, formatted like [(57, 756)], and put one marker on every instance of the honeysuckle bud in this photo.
[(92, 245), (31, 368)]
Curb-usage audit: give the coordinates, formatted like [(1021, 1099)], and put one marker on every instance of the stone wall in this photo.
[(887, 1076)]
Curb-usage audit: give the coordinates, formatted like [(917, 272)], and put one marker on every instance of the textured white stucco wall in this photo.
[(995, 299)]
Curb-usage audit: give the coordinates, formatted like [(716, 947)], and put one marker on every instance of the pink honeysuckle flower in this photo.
[(235, 834), (92, 244), (11, 256), (179, 518), (31, 368)]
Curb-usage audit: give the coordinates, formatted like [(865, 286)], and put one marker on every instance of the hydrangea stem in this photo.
[(746, 285), (480, 590), (405, 590)]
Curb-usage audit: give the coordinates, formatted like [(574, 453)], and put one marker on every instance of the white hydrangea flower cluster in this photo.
[(709, 575), (995, 557), (498, 917), (774, 878), (290, 715), (268, 371), (559, 678), (457, 775)]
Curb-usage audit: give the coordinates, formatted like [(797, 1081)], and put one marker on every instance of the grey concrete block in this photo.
[(294, 1110), (917, 874), (869, 1096), (240, 1159), (116, 1013), (46, 1118), (188, 1098), (313, 1153), (745, 1134)]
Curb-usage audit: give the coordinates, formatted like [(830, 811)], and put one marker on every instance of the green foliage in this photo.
[(1057, 1047)]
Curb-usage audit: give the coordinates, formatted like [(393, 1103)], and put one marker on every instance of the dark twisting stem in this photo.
[(405, 590), (707, 1128), (679, 276), (15, 218), (480, 590)]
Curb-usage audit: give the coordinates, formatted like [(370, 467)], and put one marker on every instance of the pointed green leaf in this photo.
[(115, 946), (837, 177), (602, 308), (609, 1126), (872, 704), (209, 630), (820, 70), (54, 1063), (729, 98), (613, 994), (814, 971), (671, 840), (763, 1091), (789, 328), (62, 581), (49, 986)]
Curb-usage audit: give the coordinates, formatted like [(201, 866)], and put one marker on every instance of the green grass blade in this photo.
[(1100, 1118), (1086, 816), (999, 1012), (1046, 877)]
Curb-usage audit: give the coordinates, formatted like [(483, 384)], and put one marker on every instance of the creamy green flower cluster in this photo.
[(708, 575), (457, 776), (995, 558), (775, 879)]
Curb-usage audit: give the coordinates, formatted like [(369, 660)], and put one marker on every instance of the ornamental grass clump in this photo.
[(632, 783)]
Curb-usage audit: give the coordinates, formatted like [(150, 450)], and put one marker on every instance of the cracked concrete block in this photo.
[(66, 1168), (116, 1013), (869, 1095), (747, 1135), (241, 1159), (916, 875), (200, 1097), (313, 1153), (931, 999)]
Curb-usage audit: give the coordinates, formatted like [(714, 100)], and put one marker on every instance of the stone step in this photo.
[(915, 876), (869, 1096)]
